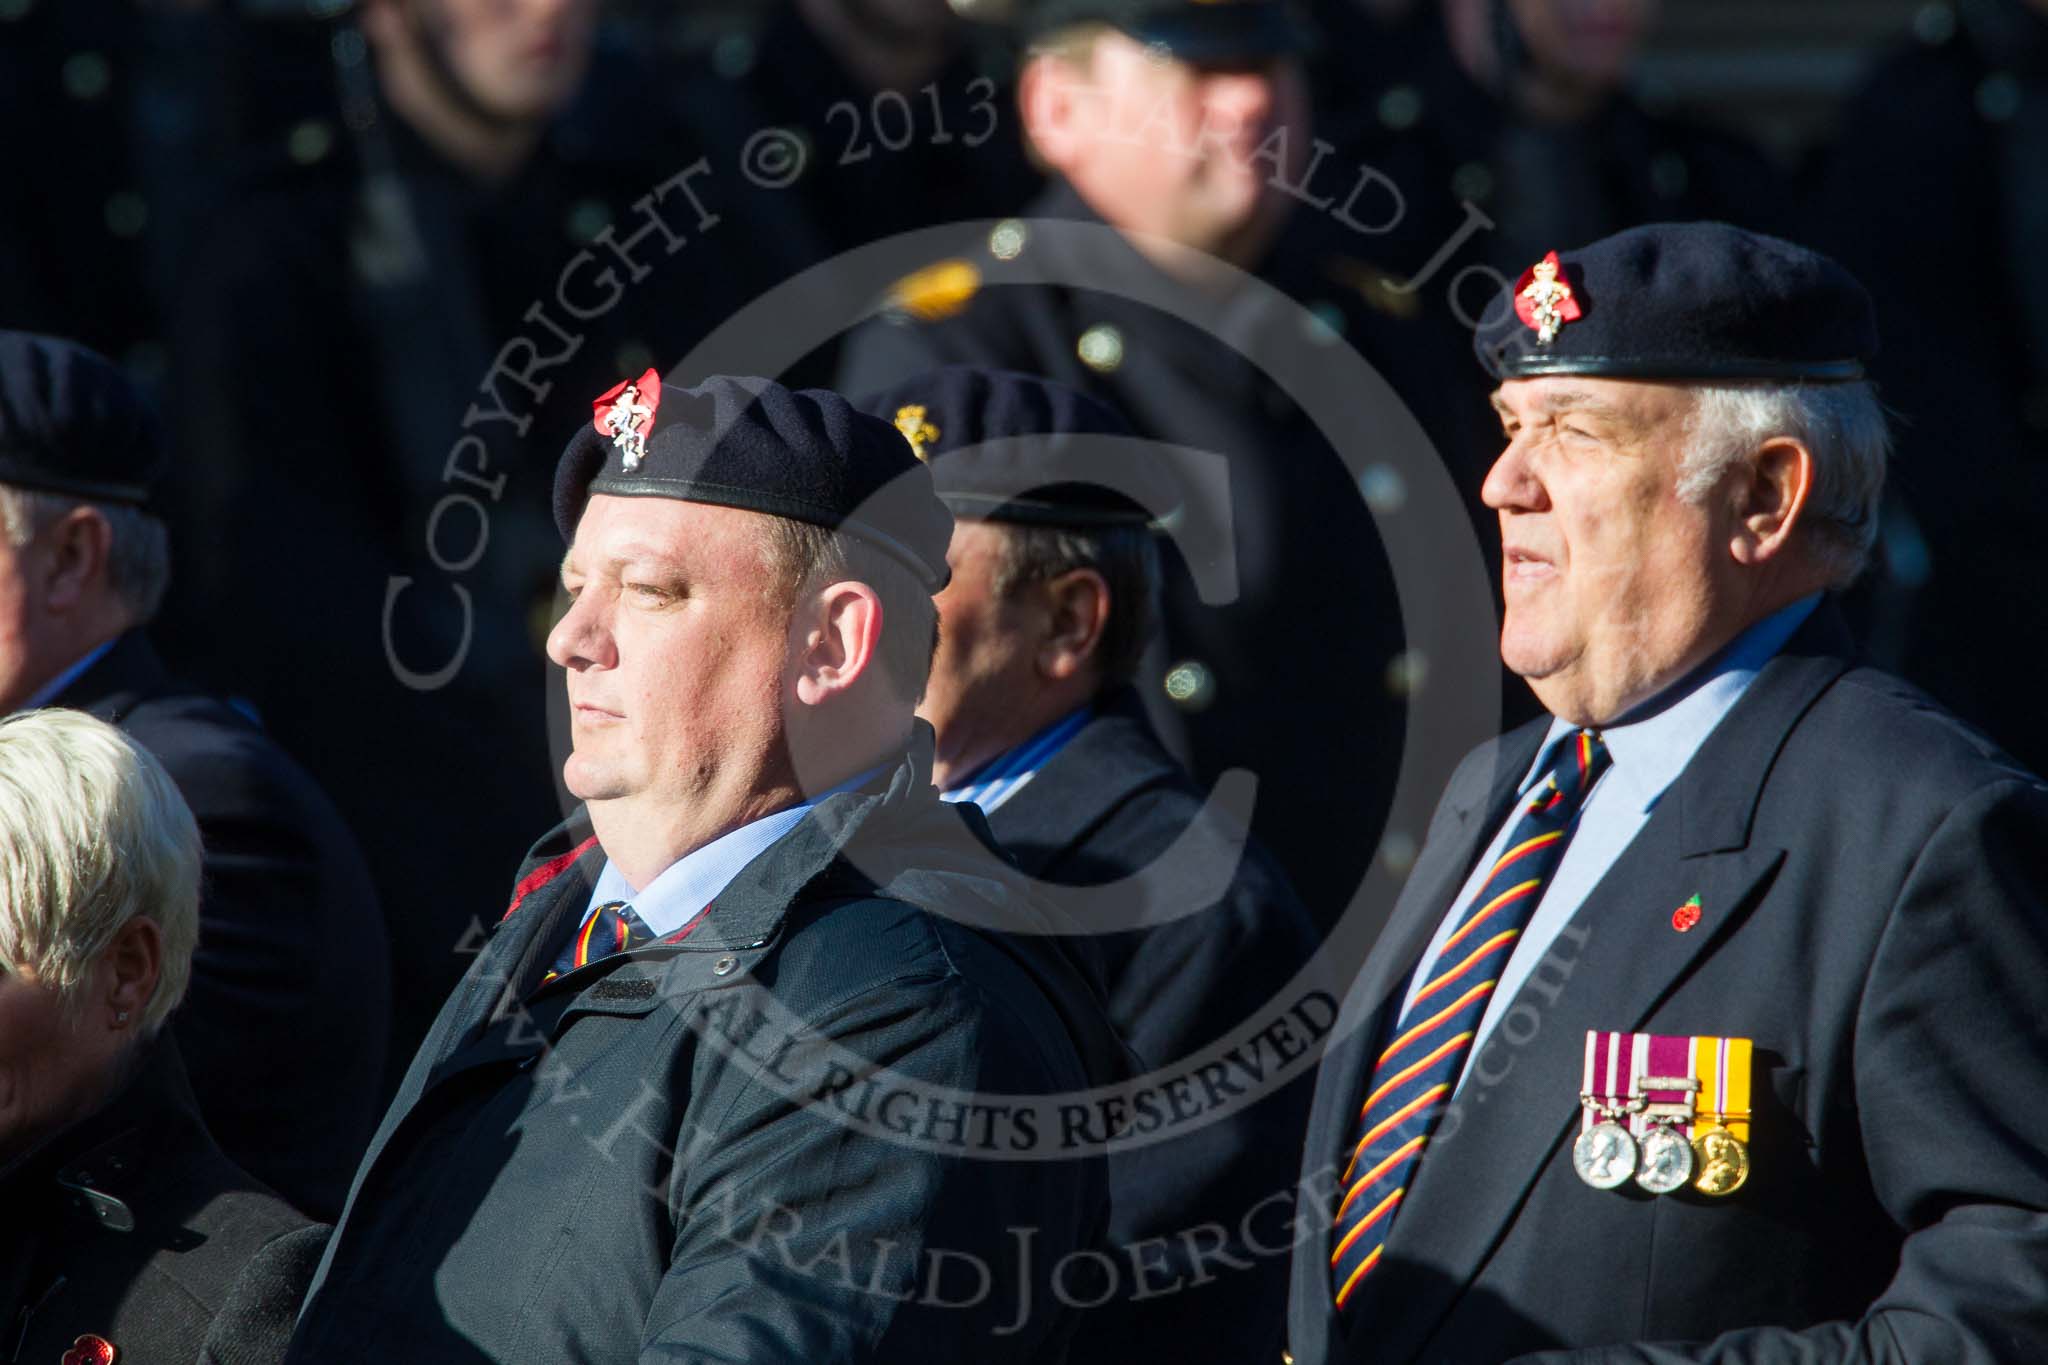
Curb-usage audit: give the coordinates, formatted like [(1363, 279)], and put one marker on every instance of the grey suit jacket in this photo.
[(1873, 878)]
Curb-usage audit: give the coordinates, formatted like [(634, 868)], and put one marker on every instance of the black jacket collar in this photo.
[(1107, 762), (126, 676)]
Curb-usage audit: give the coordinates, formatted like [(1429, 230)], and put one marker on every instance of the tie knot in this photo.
[(1580, 759)]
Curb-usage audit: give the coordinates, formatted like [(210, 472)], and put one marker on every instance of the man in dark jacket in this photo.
[(1706, 1028), (284, 1030), (1051, 600), (732, 1080)]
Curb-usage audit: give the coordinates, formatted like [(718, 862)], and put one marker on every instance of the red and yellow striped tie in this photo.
[(1415, 1076), (610, 928)]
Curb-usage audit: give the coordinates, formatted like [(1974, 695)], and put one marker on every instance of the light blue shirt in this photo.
[(49, 691), (686, 888), (1003, 776), (1648, 754)]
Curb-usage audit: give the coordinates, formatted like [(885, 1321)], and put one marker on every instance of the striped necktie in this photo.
[(1415, 1076), (611, 928)]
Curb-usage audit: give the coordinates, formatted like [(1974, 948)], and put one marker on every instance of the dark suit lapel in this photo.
[(1468, 816), (1611, 968)]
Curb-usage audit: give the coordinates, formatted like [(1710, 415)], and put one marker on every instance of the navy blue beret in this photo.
[(71, 423), (1701, 301), (1013, 447), (804, 454)]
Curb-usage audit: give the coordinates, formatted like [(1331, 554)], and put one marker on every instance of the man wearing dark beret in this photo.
[(1051, 600), (1172, 126), (284, 1029), (733, 1080), (1707, 1027)]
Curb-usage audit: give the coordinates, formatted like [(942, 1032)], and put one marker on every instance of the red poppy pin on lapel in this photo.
[(90, 1350), (625, 412), (1687, 915), (1544, 300)]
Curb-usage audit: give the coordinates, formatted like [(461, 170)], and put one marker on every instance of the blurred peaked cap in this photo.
[(1013, 447), (804, 454), (1190, 30), (71, 423), (1677, 301)]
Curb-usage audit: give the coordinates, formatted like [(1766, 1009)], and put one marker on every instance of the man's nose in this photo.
[(1512, 484), (582, 639)]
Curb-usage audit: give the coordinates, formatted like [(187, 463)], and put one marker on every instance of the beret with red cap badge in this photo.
[(804, 454), (1679, 301)]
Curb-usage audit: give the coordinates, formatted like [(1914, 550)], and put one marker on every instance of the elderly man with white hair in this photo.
[(1707, 1027), (127, 1232)]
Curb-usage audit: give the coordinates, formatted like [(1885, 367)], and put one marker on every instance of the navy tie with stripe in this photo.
[(611, 928), (1415, 1076)]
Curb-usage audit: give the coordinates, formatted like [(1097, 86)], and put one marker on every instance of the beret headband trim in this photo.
[(1641, 367), (38, 481), (753, 500)]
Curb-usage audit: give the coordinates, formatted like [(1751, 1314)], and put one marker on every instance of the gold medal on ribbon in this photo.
[(1720, 1140)]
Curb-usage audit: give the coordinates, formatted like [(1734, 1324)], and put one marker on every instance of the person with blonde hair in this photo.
[(293, 944), (126, 1229)]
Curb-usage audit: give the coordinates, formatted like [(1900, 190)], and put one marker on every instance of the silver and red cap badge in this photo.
[(625, 412)]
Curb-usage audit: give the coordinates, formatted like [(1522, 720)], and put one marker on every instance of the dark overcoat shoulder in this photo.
[(283, 1028)]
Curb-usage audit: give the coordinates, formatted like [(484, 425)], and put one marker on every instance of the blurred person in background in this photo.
[(286, 1023), (1522, 110), (129, 114), (906, 108), (1040, 633), (1153, 115), (127, 1231), (1938, 196), (381, 350)]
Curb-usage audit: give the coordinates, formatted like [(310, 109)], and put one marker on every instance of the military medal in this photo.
[(1666, 1112), (1667, 1160), (1660, 1077), (1605, 1153), (625, 412), (1719, 1147)]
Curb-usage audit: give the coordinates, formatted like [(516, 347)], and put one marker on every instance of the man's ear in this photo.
[(838, 632), (73, 567), (1077, 608), (125, 975), (1770, 499), (1049, 97)]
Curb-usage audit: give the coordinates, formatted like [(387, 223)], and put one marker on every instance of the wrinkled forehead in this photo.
[(1643, 403)]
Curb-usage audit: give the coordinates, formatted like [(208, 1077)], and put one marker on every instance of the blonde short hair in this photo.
[(92, 834)]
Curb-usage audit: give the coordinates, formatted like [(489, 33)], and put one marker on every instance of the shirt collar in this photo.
[(997, 780), (54, 688), (1652, 749), (686, 888)]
